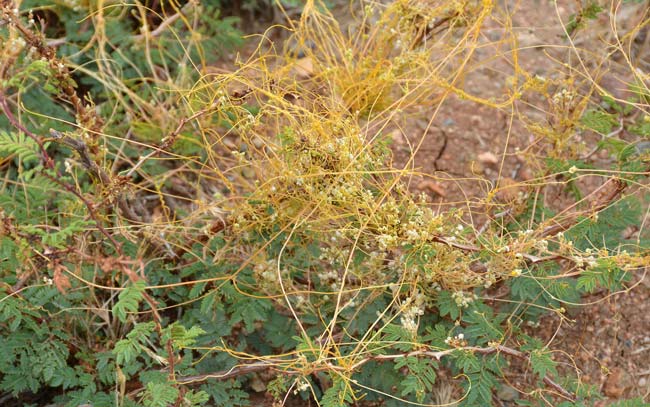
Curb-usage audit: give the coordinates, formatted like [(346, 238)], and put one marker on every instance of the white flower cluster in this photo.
[(541, 245), (266, 270), (585, 261), (489, 279), (414, 308), (301, 385), (327, 275), (333, 256), (239, 155), (457, 341), (563, 97), (15, 11), (386, 241), (390, 212), (463, 299), (413, 233), (408, 319), (421, 224)]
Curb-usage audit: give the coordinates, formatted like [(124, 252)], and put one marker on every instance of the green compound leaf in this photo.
[(129, 300)]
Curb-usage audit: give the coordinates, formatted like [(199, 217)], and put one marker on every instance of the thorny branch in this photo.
[(264, 365), (48, 163), (164, 24), (599, 200), (85, 113)]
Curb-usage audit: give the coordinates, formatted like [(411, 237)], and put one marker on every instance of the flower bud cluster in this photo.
[(463, 299), (457, 341), (413, 309)]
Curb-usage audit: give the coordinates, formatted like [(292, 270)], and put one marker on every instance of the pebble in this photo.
[(526, 174), (304, 68), (248, 173), (257, 384), (397, 137), (230, 144), (422, 124), (448, 122), (488, 158), (258, 142)]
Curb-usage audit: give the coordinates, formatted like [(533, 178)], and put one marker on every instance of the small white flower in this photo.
[(68, 166), (301, 385)]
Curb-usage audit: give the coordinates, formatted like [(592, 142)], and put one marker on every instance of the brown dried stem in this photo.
[(264, 365)]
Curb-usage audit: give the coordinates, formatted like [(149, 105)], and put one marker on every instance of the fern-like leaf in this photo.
[(20, 145), (128, 300)]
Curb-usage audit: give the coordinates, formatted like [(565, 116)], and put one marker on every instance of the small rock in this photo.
[(643, 382), (257, 384), (258, 142), (507, 393), (494, 35), (423, 124), (488, 158), (448, 122), (526, 174), (304, 68), (528, 39), (230, 144), (248, 173), (432, 187), (397, 137)]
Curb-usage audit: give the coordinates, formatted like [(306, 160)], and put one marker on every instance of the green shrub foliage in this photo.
[(172, 234)]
